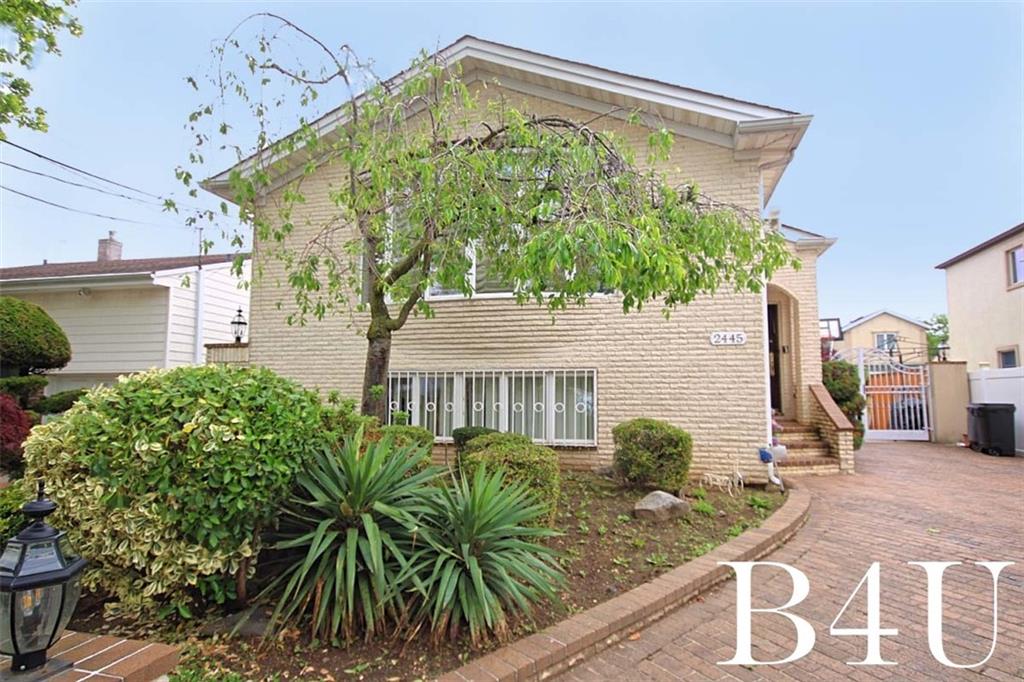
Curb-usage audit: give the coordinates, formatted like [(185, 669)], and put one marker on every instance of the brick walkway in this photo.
[(908, 502)]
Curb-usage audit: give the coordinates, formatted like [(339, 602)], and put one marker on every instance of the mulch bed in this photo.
[(605, 551)]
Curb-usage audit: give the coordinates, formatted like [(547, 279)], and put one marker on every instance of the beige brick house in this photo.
[(717, 367)]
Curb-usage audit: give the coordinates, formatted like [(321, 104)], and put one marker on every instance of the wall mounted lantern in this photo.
[(238, 325)]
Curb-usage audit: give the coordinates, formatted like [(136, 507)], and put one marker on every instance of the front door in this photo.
[(773, 357)]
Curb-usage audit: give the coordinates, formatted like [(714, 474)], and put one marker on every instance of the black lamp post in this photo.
[(40, 581), (238, 325)]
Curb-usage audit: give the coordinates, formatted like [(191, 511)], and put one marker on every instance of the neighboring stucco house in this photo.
[(716, 368), (905, 337), (124, 316), (985, 298)]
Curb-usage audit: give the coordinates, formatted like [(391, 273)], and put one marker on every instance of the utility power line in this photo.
[(90, 213), (146, 202), (80, 171)]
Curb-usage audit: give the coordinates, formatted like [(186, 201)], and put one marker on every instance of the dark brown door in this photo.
[(773, 356)]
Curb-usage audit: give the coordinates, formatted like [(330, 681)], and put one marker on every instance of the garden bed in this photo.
[(605, 551)]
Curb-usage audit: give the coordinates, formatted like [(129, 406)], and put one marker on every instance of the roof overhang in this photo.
[(765, 135), (76, 282), (867, 318)]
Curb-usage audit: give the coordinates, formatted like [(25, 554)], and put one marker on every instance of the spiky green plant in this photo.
[(482, 557), (350, 526)]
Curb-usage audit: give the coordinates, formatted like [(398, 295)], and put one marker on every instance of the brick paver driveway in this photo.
[(908, 502)]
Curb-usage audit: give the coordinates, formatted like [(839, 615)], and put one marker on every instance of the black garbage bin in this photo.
[(990, 428)]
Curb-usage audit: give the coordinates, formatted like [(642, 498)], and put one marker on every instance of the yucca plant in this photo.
[(482, 558), (349, 529)]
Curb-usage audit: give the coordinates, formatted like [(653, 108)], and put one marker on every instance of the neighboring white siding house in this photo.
[(124, 316)]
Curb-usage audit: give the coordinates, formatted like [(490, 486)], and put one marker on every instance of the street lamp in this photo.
[(40, 581), (238, 325)]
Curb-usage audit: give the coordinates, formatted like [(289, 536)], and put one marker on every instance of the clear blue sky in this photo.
[(916, 151)]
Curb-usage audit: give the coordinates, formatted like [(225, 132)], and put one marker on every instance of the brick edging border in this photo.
[(564, 644)]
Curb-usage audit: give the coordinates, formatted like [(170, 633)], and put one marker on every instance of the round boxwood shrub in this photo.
[(30, 341), (403, 435), (165, 479), (464, 434), (652, 453), (523, 461)]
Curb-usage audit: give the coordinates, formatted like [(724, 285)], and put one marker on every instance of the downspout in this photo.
[(764, 326), (197, 350)]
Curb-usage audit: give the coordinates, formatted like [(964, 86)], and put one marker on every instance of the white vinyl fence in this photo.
[(1001, 386)]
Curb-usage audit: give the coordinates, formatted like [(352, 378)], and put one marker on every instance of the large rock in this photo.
[(660, 506)]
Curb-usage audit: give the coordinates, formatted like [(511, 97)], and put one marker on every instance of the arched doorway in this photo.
[(784, 352)]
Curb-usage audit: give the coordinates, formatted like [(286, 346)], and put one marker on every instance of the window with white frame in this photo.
[(555, 407), (885, 340), (1015, 265)]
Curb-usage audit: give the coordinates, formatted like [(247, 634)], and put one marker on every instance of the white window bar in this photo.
[(553, 407)]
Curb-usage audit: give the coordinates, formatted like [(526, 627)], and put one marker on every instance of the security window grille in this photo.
[(555, 407)]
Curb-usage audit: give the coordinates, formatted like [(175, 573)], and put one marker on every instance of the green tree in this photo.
[(31, 342), (35, 25), (429, 178), (938, 334)]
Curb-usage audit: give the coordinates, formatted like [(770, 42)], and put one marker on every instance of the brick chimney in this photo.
[(109, 249)]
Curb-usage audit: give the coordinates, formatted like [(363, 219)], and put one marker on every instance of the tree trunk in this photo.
[(378, 357)]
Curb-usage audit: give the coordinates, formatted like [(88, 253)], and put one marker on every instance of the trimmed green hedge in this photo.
[(652, 454), (464, 434), (30, 340), (26, 390), (59, 402), (403, 436), (523, 461)]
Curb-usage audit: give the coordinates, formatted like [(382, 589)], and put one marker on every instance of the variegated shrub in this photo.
[(164, 479)]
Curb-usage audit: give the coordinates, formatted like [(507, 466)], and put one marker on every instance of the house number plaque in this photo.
[(728, 338)]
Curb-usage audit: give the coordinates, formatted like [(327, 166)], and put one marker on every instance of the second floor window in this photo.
[(885, 340), (1015, 265)]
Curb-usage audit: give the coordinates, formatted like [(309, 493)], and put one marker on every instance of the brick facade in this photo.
[(646, 365)]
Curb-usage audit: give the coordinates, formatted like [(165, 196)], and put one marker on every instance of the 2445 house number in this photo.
[(728, 338)]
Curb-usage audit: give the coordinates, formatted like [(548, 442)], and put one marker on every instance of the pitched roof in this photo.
[(134, 266), (865, 318), (982, 246), (753, 130)]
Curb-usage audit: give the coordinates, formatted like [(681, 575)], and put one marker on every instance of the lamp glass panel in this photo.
[(6, 642), (36, 612), (66, 550), (9, 559), (72, 590), (41, 557)]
